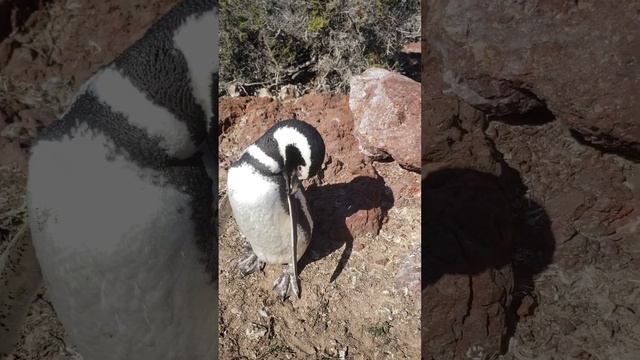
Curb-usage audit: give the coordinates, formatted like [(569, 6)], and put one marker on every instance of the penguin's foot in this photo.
[(287, 285), (249, 263)]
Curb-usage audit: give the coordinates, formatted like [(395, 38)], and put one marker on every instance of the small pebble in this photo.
[(256, 331)]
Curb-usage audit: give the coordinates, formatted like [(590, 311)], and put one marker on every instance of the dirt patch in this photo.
[(358, 299)]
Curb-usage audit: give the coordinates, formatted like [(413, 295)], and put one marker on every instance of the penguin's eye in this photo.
[(300, 168)]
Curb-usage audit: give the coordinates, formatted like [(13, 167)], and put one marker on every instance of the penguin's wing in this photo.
[(224, 212)]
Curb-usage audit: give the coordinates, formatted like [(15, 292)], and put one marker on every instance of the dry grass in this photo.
[(12, 205), (54, 93), (316, 44), (45, 39)]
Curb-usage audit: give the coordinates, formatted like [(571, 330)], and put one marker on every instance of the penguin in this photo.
[(121, 202), (268, 201)]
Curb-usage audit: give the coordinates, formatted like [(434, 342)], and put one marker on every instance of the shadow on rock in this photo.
[(409, 65), (343, 211), (473, 222)]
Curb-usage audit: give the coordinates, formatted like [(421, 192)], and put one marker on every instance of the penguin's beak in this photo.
[(293, 180)]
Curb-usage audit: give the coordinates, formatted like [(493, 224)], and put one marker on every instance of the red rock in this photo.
[(414, 47), (404, 185), (386, 113), (527, 306), (365, 221), (510, 70), (576, 197)]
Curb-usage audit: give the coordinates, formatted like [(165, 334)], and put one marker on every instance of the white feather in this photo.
[(109, 242), (197, 40), (263, 158), (116, 91), (261, 215)]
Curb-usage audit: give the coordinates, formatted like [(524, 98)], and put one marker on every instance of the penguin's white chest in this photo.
[(117, 252), (261, 215)]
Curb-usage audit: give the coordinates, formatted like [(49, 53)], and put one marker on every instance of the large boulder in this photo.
[(578, 60), (525, 97), (386, 113)]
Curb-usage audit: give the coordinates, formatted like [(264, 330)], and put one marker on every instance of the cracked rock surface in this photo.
[(534, 103), (580, 59)]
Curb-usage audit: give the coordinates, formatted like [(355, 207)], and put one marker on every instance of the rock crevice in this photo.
[(535, 120)]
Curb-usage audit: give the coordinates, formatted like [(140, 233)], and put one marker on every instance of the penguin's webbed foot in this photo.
[(249, 263), (287, 285)]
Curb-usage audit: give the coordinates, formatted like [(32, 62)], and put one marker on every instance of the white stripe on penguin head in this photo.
[(263, 158), (290, 136), (197, 39)]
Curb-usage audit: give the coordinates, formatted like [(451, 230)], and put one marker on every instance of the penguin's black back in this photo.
[(155, 67), (158, 70)]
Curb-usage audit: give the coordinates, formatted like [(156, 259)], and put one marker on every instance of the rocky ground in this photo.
[(532, 182)]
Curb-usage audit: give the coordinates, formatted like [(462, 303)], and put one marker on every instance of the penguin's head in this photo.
[(301, 148)]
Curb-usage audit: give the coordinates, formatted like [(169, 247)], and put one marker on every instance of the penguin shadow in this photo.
[(331, 205), (474, 221)]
